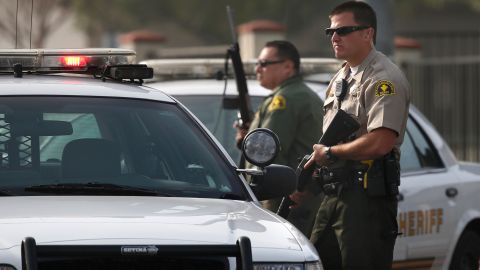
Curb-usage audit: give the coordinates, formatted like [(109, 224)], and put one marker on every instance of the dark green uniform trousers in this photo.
[(354, 231)]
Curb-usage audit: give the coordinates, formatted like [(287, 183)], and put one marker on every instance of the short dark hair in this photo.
[(286, 50), (363, 14)]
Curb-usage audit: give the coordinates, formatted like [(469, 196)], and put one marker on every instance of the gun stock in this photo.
[(340, 129)]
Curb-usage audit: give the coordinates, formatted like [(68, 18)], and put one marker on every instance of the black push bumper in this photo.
[(32, 253)]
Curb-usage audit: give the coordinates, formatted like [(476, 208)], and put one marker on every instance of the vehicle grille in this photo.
[(135, 263), (105, 257)]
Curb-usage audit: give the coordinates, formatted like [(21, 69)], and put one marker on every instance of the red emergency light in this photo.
[(74, 61)]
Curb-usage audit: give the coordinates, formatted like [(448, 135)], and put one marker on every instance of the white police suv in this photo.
[(98, 171), (439, 208)]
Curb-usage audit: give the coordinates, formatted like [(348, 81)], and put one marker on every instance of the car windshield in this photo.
[(219, 120), (108, 146)]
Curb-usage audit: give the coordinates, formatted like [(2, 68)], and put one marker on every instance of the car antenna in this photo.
[(31, 24), (16, 27)]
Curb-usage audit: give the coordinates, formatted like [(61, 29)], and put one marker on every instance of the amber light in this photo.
[(74, 61)]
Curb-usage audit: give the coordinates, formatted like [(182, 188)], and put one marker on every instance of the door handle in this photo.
[(451, 192)]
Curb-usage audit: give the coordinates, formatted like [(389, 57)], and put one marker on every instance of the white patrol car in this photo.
[(98, 171), (439, 208)]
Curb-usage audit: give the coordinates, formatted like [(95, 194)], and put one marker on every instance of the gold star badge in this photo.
[(384, 88)]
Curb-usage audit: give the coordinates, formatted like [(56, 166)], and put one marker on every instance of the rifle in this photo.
[(340, 129), (245, 111)]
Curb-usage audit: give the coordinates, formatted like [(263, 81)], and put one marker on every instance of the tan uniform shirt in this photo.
[(377, 96)]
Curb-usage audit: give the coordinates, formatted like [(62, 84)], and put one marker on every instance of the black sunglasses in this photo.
[(344, 30), (264, 63)]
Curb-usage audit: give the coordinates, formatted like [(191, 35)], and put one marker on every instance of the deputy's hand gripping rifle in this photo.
[(340, 129)]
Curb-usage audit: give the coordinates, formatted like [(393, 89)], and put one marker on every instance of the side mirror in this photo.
[(260, 147), (277, 181)]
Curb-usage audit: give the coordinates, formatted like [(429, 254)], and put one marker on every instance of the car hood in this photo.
[(109, 220)]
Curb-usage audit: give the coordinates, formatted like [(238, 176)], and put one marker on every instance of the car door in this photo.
[(425, 211)]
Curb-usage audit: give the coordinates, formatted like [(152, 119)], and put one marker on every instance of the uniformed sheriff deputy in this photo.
[(356, 225), (293, 111)]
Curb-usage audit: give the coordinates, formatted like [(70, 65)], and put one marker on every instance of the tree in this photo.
[(23, 28), (100, 16)]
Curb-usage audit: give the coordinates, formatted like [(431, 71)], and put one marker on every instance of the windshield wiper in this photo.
[(5, 192), (232, 196), (94, 189)]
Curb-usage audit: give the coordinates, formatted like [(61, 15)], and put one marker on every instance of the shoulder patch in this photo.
[(278, 103), (384, 88)]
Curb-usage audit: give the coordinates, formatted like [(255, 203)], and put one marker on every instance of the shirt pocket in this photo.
[(351, 103)]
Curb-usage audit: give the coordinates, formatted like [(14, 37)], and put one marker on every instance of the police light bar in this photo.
[(167, 69), (64, 60)]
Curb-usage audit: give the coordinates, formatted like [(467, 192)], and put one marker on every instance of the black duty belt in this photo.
[(328, 176), (333, 180)]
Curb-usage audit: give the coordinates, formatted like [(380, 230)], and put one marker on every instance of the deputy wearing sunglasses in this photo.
[(293, 111), (356, 226)]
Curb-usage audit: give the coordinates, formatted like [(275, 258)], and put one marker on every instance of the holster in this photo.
[(383, 177)]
